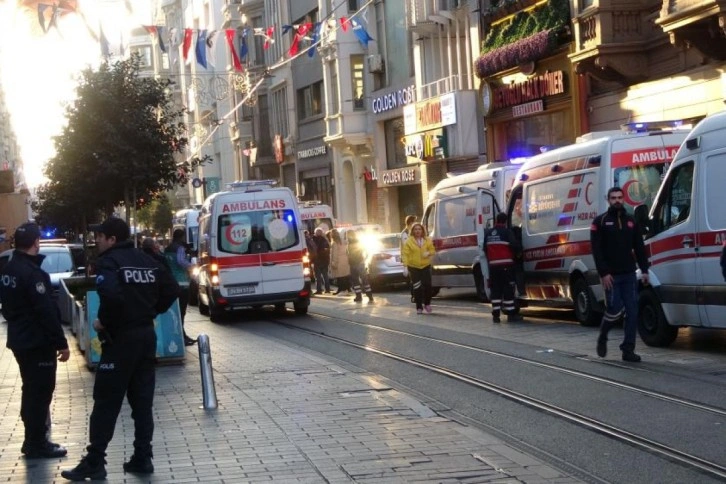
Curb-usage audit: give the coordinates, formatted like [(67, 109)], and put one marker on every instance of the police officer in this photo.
[(500, 246), (617, 244), (133, 288), (35, 337)]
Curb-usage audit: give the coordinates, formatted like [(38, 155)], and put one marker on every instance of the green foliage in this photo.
[(554, 15), (123, 137), (162, 215)]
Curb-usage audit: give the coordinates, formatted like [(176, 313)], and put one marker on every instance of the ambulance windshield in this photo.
[(640, 183), (255, 232)]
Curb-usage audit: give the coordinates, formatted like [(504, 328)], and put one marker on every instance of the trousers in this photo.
[(622, 298), (421, 279), (37, 371), (502, 289), (126, 369)]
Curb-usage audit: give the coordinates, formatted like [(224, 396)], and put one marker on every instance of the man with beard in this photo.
[(616, 246)]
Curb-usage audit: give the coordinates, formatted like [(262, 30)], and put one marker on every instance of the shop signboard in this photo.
[(410, 175), (430, 114), (427, 146), (381, 103)]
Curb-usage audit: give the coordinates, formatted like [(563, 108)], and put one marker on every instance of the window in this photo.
[(145, 53), (259, 42), (334, 92), (352, 5), (259, 231), (309, 101), (715, 174), (356, 75), (429, 218), (457, 216), (674, 206), (549, 209), (279, 112)]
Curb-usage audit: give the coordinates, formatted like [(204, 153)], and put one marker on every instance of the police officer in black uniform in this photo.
[(35, 337), (501, 246), (617, 244), (133, 289)]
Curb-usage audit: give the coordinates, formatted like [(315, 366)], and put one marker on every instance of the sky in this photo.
[(38, 70)]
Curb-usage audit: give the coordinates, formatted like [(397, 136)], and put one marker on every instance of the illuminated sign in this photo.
[(400, 176), (427, 146), (393, 100), (431, 114), (528, 108), (536, 87)]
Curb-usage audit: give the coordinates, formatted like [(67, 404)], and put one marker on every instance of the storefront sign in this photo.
[(427, 146), (528, 108), (393, 100), (537, 87), (311, 152), (369, 174), (400, 176), (433, 113)]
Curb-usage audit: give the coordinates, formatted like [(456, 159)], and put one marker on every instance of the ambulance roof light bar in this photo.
[(650, 126), (254, 184)]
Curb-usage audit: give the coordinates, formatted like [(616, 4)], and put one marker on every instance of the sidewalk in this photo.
[(284, 415)]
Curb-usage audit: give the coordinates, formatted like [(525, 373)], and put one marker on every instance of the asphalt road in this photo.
[(549, 358)]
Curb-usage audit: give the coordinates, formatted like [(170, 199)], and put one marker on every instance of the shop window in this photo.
[(530, 136)]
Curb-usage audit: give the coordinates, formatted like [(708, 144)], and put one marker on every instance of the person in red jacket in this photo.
[(500, 246)]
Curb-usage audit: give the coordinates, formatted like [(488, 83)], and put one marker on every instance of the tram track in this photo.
[(713, 469)]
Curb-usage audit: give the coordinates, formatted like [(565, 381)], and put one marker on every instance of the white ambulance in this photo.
[(252, 250), (686, 232), (557, 195), (315, 214), (450, 219)]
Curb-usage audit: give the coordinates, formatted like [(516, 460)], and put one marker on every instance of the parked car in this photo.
[(58, 263), (383, 258)]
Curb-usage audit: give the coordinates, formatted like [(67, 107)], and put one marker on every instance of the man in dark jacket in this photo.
[(322, 261), (133, 289), (500, 246), (617, 244), (35, 337)]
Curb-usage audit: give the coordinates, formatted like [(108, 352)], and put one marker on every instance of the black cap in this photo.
[(26, 235), (112, 227)]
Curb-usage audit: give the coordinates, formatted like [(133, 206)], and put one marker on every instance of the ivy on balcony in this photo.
[(528, 34)]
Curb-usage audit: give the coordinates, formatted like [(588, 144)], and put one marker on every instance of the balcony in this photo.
[(697, 23), (612, 40), (231, 14), (424, 16)]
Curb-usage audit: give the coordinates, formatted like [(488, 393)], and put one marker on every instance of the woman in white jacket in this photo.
[(339, 267)]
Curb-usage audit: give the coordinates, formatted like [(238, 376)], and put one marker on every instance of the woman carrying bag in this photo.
[(417, 254)]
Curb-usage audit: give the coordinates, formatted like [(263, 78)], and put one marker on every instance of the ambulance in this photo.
[(252, 250), (557, 195), (450, 219), (686, 231), (315, 214)]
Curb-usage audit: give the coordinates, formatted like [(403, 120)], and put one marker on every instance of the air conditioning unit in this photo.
[(376, 65)]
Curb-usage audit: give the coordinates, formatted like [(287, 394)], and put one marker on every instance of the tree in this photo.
[(121, 144), (162, 215)]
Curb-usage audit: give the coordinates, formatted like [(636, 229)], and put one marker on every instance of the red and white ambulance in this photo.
[(558, 193), (315, 214), (686, 233), (252, 250)]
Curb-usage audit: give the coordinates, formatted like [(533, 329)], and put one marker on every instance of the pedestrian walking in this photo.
[(133, 289), (339, 266), (418, 252), (35, 337), (500, 246), (322, 262), (617, 244), (409, 221), (176, 258), (358, 271)]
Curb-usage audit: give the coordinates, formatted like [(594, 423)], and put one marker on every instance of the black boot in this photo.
[(86, 469), (370, 297), (139, 465), (46, 450), (358, 297)]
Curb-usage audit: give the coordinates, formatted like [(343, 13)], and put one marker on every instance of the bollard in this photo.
[(209, 394)]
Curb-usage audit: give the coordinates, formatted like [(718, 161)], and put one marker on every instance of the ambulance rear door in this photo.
[(487, 209)]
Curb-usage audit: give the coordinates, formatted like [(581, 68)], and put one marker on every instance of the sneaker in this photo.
[(496, 319), (515, 318), (139, 465), (602, 347), (427, 308), (419, 311), (86, 470), (47, 450), (631, 356)]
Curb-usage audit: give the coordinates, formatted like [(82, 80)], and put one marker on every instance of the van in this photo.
[(188, 220), (315, 214), (686, 230), (450, 220), (252, 250), (557, 195)]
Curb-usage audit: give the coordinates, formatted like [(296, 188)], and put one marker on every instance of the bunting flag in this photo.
[(41, 15), (360, 32), (105, 48), (201, 48), (243, 49), (188, 34), (160, 36), (314, 39), (344, 23), (230, 33), (53, 18), (212, 52), (268, 38)]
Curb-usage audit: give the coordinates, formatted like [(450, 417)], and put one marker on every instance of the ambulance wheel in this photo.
[(300, 309), (280, 307), (652, 324), (585, 307), (215, 315), (481, 290)]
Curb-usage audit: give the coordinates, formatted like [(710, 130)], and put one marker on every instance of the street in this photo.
[(537, 385)]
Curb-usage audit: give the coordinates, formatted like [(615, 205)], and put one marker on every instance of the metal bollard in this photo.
[(209, 394)]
